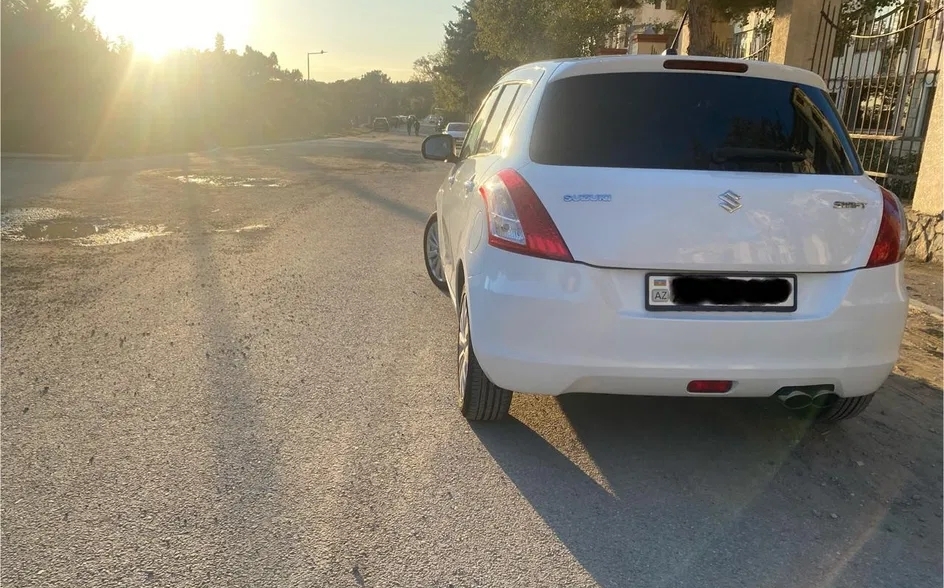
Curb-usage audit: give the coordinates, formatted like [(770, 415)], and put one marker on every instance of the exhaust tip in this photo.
[(800, 397), (795, 399), (824, 399)]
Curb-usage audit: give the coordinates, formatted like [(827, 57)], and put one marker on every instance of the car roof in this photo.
[(579, 66)]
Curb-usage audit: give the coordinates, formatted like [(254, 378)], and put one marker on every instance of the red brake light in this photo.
[(710, 386), (705, 65), (518, 221), (892, 239)]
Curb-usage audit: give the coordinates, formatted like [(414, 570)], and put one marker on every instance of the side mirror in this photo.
[(440, 147)]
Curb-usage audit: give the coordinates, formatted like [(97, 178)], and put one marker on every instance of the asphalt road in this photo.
[(257, 389)]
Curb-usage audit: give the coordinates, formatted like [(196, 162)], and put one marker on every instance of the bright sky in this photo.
[(356, 35)]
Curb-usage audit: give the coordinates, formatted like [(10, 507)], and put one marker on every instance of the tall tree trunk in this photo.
[(701, 16)]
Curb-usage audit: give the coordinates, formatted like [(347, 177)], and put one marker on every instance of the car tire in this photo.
[(845, 408), (431, 257), (480, 399)]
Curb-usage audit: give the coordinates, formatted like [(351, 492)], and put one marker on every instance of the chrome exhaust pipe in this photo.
[(795, 399), (823, 398)]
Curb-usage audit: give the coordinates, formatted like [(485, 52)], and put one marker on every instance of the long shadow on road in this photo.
[(348, 183), (708, 492), (24, 181), (253, 545), (296, 156), (351, 186)]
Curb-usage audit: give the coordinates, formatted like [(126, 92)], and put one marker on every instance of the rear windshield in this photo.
[(663, 120), (462, 127)]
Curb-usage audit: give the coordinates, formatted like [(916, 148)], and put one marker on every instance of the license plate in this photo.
[(721, 292)]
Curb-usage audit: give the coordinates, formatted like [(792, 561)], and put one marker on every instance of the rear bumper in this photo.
[(547, 327)]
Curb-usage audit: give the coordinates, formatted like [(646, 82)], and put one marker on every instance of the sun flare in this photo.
[(158, 27)]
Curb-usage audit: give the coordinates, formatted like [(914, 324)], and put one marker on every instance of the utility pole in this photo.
[(309, 61)]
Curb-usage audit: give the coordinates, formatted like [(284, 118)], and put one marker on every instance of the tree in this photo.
[(67, 89), (521, 31), (703, 13), (424, 69), (461, 71)]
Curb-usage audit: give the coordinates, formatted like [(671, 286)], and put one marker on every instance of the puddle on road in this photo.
[(16, 218), (47, 224), (125, 234), (231, 182), (65, 228), (246, 229)]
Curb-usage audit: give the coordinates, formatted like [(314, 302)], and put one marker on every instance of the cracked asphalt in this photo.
[(263, 395)]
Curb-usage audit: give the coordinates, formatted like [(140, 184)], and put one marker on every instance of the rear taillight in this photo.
[(892, 239), (517, 221)]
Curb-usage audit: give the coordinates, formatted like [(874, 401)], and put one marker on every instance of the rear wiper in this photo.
[(723, 154)]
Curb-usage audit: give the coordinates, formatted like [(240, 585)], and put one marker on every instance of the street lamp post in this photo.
[(309, 61)]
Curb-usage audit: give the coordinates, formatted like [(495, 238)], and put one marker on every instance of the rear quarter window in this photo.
[(666, 120)]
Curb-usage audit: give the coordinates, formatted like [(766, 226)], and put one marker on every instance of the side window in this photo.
[(524, 92), (494, 125), (475, 131)]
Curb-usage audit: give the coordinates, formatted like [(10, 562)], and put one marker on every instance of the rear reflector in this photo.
[(710, 386), (705, 65)]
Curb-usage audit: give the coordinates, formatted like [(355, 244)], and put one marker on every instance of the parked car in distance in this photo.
[(705, 230), (457, 130), (381, 124)]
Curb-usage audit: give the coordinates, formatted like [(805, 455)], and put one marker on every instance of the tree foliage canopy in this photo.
[(522, 31), (66, 88), (461, 72)]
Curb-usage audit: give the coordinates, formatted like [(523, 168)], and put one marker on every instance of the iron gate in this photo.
[(882, 69)]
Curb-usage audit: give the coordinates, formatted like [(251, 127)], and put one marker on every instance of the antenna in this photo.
[(673, 48)]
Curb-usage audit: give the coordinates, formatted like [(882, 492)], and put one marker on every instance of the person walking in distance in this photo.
[(416, 127), (409, 125)]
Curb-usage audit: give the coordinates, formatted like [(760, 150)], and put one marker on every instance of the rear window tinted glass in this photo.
[(690, 122)]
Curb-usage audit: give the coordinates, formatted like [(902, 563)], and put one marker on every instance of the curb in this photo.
[(932, 310)]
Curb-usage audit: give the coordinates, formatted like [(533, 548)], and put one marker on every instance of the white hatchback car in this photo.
[(663, 225)]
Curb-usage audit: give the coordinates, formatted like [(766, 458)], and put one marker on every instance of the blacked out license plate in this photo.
[(721, 292)]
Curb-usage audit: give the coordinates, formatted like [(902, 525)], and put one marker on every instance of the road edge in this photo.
[(214, 149), (40, 156)]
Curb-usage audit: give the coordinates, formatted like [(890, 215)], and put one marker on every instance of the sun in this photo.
[(158, 27)]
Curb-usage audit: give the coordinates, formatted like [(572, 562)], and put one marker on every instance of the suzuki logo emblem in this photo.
[(729, 201)]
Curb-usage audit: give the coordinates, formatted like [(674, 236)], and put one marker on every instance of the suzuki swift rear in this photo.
[(666, 226)]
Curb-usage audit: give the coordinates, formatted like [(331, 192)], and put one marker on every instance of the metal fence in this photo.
[(750, 44), (882, 69), (746, 44)]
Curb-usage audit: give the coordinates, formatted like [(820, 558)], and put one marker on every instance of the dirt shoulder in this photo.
[(925, 282), (921, 350)]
